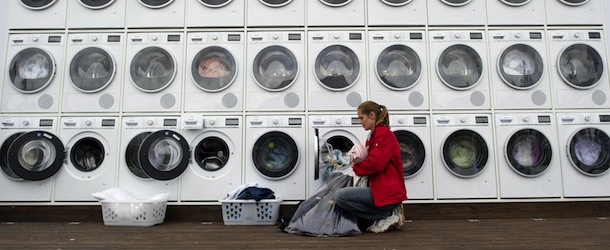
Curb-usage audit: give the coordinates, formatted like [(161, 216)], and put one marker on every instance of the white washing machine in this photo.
[(413, 134), (519, 78), (464, 163), (275, 154), (153, 72), (457, 12), (335, 13), (153, 155), (528, 155), (274, 64), (91, 157), (93, 75), (341, 132), (580, 12), (338, 70), (32, 82), (215, 168), (578, 69), (155, 13), (216, 78), (215, 13), (31, 155), (460, 61), (584, 142), (37, 14), (398, 75), (396, 12), (267, 13), (515, 12), (84, 14)]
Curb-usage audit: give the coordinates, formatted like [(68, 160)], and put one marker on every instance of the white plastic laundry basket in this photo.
[(250, 212), (133, 213)]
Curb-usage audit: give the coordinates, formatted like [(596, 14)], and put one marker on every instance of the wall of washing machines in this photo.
[(491, 101)]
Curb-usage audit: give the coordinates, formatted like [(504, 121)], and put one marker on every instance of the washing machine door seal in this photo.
[(32, 70), (275, 3), (155, 4), (212, 153), (215, 3), (96, 4), (87, 154), (456, 3), (92, 70), (396, 3), (515, 3), (214, 69), (37, 4), (589, 151), (32, 156), (465, 153), (580, 66), (573, 2), (161, 155), (153, 69), (337, 68), (275, 155), (528, 152), (275, 68), (398, 67), (412, 151), (335, 3), (460, 67), (520, 66)]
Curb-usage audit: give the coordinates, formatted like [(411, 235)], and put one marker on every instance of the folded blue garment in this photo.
[(256, 193)]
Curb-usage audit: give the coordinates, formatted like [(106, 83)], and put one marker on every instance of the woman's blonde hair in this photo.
[(380, 111)]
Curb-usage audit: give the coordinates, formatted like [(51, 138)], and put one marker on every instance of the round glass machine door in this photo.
[(335, 3), (589, 151), (214, 69), (520, 66), (212, 153), (528, 152), (87, 154), (152, 69), (275, 155), (398, 67), (275, 3), (161, 155), (412, 151), (32, 70), (275, 68), (573, 2), (580, 66), (37, 4), (92, 69), (337, 68), (456, 3), (96, 4), (465, 153), (215, 3), (396, 3), (460, 67), (155, 4), (32, 156), (515, 3)]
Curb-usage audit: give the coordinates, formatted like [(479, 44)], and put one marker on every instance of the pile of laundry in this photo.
[(251, 191)]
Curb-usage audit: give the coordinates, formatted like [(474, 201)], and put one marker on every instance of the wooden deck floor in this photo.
[(198, 228)]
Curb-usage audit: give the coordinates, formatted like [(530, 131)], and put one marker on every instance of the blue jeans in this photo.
[(359, 202)]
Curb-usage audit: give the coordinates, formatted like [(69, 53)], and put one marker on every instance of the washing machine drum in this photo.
[(528, 152), (520, 66), (580, 66), (214, 69), (152, 69), (212, 153), (573, 2), (215, 3), (96, 4), (275, 68), (87, 154), (412, 151), (456, 3), (396, 3), (460, 67), (155, 4), (335, 3), (515, 3), (92, 69), (398, 67), (32, 156), (275, 155), (275, 3), (161, 155), (337, 68), (465, 153), (37, 4), (32, 70), (589, 151)]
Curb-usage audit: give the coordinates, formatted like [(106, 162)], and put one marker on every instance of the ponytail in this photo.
[(380, 111)]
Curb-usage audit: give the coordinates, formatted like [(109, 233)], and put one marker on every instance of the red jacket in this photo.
[(383, 166)]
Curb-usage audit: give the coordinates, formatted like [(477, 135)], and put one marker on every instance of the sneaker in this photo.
[(384, 224), (400, 211)]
